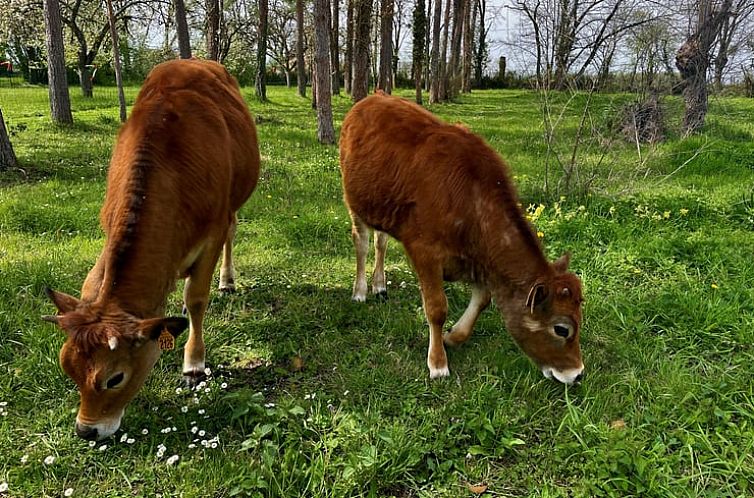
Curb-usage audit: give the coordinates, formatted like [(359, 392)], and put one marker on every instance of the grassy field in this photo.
[(313, 395)]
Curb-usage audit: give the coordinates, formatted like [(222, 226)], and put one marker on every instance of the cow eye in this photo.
[(562, 330), (115, 380)]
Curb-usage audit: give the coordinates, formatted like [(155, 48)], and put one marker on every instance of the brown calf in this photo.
[(445, 194), (184, 163)]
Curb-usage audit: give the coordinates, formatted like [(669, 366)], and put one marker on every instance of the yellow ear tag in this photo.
[(166, 341)]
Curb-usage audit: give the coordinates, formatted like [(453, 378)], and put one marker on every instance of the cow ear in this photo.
[(560, 265), (153, 327), (63, 302), (537, 295)]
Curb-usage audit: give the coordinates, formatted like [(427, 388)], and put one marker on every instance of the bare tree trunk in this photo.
[(385, 80), (565, 39), (362, 38), (85, 77), (300, 62), (325, 130), (261, 80), (481, 46), (420, 27), (434, 86), (721, 59), (443, 73), (468, 41), (692, 61), (454, 65), (427, 45), (116, 61), (7, 156), (184, 43), (335, 47), (213, 29), (348, 62), (60, 101)]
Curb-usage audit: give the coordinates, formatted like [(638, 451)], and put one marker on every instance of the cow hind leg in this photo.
[(360, 236), (227, 272), (196, 298), (461, 331), (379, 288)]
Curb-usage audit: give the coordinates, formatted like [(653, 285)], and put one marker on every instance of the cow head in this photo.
[(545, 321), (108, 354)]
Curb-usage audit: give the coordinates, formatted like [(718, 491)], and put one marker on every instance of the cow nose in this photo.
[(86, 432), (579, 377)]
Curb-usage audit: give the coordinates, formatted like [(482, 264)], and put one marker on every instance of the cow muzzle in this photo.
[(99, 430), (568, 376)]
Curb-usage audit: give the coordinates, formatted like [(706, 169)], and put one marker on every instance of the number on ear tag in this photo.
[(166, 341)]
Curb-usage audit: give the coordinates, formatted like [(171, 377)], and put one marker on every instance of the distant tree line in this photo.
[(358, 44)]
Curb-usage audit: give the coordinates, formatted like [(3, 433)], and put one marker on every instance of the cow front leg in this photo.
[(462, 330), (196, 298), (435, 304)]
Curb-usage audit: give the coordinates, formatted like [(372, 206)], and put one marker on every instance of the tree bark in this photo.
[(213, 29), (85, 77), (481, 46), (261, 80), (721, 59), (60, 102), (427, 45), (454, 65), (300, 61), (362, 38), (325, 130), (420, 27), (348, 61), (7, 156), (468, 42), (335, 47), (116, 61), (385, 79), (184, 43), (692, 61), (434, 86), (443, 72)]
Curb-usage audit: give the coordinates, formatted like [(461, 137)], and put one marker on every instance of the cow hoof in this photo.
[(452, 338), (227, 289), (359, 298), (381, 295), (437, 373), (194, 378)]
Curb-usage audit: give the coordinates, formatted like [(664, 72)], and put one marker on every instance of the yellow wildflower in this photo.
[(540, 234), (666, 214), (715, 286), (683, 211)]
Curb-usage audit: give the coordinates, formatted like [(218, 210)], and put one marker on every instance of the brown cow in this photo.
[(184, 163), (445, 194)]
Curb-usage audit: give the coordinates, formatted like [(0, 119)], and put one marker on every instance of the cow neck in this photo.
[(513, 255), (140, 269)]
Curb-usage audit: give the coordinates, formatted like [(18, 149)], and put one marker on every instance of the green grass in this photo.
[(665, 255)]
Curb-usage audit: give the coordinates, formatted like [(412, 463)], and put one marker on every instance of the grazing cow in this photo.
[(184, 163), (445, 194)]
